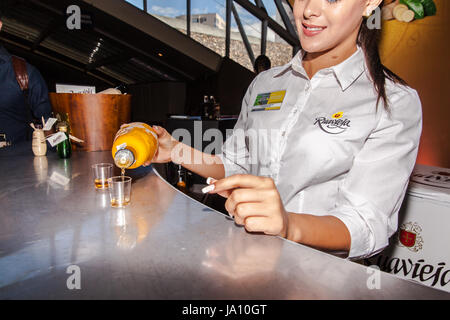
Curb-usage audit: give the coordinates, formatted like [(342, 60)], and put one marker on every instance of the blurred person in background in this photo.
[(18, 106), (262, 63)]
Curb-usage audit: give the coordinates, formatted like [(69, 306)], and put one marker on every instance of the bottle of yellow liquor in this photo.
[(134, 144)]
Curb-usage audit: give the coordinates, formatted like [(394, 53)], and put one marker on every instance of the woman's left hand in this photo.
[(254, 202)]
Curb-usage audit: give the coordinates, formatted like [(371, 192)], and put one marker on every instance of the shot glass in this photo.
[(102, 172), (120, 191)]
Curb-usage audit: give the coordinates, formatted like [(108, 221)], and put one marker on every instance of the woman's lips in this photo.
[(311, 30)]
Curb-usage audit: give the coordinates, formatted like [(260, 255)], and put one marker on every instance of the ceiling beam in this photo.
[(134, 52), (138, 52), (44, 34), (108, 61), (160, 31), (65, 61)]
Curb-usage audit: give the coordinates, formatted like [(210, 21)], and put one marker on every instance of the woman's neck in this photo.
[(316, 61)]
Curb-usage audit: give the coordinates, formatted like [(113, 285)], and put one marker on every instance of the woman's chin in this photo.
[(312, 47), (315, 46)]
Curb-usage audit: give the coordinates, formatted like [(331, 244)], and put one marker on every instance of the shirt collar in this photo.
[(346, 72), (4, 55)]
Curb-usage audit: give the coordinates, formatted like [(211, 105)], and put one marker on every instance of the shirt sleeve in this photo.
[(235, 155), (371, 194), (38, 95)]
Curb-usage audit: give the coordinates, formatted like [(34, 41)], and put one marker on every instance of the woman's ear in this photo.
[(371, 6)]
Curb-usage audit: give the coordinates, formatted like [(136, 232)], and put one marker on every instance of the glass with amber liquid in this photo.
[(120, 191), (100, 184), (102, 173)]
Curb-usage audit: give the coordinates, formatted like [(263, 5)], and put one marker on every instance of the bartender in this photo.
[(324, 145), (16, 108)]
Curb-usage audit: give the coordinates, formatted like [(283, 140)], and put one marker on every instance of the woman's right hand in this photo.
[(166, 143)]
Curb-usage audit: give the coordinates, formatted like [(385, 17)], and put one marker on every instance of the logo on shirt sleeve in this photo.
[(335, 125)]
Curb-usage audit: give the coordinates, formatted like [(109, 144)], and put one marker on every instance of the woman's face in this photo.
[(324, 24)]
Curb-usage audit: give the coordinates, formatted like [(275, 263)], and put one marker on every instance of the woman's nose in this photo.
[(313, 8)]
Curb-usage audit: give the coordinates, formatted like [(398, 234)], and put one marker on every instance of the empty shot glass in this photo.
[(120, 191), (102, 172)]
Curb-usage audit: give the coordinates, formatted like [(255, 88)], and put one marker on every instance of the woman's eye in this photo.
[(333, 1)]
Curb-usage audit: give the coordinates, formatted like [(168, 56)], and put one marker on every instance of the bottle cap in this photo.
[(62, 127), (124, 158)]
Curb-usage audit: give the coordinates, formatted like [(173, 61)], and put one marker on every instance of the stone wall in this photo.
[(278, 53)]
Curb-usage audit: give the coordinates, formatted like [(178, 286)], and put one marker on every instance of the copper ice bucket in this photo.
[(94, 118)]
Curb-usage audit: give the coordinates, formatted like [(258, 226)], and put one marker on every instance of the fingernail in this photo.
[(208, 189), (210, 180)]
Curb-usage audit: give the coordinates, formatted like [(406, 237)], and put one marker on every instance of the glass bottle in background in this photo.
[(205, 111), (216, 110), (212, 102), (123, 88), (64, 149), (181, 184)]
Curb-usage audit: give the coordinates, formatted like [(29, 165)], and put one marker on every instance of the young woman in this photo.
[(345, 134)]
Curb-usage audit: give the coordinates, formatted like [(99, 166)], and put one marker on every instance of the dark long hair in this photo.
[(369, 40)]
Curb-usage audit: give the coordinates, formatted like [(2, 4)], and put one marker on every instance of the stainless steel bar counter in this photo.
[(165, 245)]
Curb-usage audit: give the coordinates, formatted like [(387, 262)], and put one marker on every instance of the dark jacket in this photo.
[(14, 114)]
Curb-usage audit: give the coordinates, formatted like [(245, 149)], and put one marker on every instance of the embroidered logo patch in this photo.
[(336, 125)]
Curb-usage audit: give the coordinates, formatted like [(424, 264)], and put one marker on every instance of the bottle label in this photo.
[(49, 124), (75, 139), (57, 138), (128, 127)]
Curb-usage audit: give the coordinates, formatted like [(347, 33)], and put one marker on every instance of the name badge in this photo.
[(269, 101)]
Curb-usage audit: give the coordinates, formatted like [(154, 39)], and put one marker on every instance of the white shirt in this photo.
[(327, 146)]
